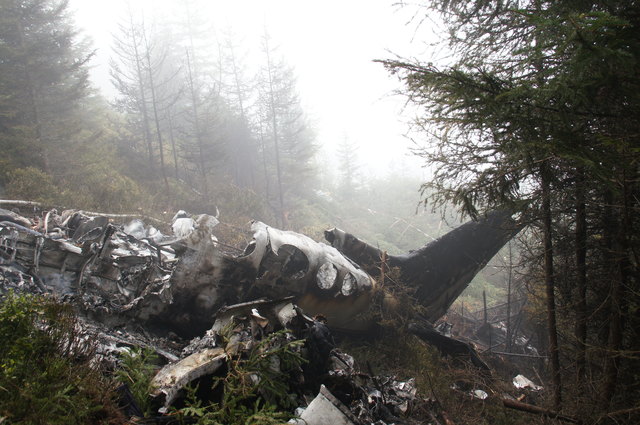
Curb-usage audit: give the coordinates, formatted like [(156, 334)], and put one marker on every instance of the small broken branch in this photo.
[(18, 203), (446, 418), (532, 356), (529, 408)]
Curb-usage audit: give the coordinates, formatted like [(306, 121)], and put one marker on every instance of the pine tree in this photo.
[(44, 80), (348, 166), (239, 90), (287, 147)]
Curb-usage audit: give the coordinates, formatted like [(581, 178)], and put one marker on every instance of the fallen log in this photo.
[(531, 356), (529, 408)]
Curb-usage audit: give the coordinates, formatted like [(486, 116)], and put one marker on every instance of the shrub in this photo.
[(137, 371), (32, 184), (255, 387), (46, 371)]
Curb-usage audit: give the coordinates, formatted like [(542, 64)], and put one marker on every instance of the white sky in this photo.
[(330, 44)]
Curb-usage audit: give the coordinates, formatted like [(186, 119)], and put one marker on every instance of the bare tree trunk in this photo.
[(264, 165), (581, 281), (173, 144), (196, 124), (612, 355), (554, 353), (509, 281), (143, 99), (618, 303), (154, 105), (484, 303)]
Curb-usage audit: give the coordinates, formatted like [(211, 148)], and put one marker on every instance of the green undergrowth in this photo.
[(256, 389), (46, 373), (137, 369)]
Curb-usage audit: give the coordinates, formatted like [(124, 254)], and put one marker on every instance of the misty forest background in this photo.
[(536, 109)]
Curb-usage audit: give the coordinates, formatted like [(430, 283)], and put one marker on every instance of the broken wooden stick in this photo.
[(529, 408)]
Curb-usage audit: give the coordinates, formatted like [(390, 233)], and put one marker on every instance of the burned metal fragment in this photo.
[(326, 409), (175, 376), (439, 271)]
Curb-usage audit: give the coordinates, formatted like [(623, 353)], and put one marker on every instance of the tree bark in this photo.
[(554, 352), (581, 278), (618, 303)]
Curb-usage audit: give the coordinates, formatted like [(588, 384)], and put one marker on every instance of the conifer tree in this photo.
[(43, 81), (288, 147), (539, 113)]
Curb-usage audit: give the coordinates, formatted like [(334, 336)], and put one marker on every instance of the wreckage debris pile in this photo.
[(175, 283), (202, 310), (122, 280), (279, 355)]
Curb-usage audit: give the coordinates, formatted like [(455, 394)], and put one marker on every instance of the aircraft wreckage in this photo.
[(120, 274), (123, 278)]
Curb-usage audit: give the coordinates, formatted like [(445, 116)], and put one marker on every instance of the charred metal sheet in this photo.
[(442, 269), (174, 377), (326, 409), (322, 279)]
